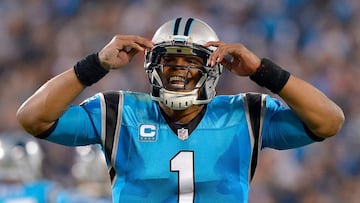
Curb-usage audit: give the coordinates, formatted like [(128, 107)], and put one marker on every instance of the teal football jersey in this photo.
[(150, 162)]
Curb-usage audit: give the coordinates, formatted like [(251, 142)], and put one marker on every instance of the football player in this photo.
[(181, 143)]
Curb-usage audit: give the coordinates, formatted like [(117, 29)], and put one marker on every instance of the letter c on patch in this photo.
[(147, 130)]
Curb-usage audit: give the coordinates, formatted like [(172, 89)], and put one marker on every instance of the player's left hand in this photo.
[(235, 57)]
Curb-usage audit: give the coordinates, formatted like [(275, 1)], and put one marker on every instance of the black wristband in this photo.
[(89, 70), (271, 76)]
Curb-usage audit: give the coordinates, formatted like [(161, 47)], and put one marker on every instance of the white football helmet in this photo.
[(183, 36), (20, 158)]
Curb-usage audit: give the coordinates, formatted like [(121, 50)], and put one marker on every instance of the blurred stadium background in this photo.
[(318, 40)]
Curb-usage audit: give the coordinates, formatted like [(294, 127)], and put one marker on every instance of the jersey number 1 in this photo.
[(183, 164)]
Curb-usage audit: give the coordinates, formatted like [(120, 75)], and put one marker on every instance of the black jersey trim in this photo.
[(113, 112), (174, 126), (47, 132), (255, 103), (111, 101), (312, 135)]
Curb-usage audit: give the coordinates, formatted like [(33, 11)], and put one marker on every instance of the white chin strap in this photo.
[(178, 100)]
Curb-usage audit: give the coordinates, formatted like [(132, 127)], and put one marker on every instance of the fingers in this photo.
[(235, 57), (214, 43), (121, 49), (128, 42), (224, 52)]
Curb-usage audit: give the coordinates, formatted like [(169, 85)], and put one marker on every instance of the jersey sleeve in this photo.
[(282, 128), (79, 125)]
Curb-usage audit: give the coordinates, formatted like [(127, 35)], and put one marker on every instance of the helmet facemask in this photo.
[(176, 92), (183, 37)]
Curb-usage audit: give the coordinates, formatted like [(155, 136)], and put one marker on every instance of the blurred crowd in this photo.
[(317, 40)]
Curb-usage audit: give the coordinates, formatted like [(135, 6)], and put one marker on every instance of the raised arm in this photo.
[(320, 114), (39, 112)]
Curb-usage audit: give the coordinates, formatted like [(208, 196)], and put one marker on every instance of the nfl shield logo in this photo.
[(182, 134)]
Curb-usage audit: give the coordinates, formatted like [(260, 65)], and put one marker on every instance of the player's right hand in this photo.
[(121, 49)]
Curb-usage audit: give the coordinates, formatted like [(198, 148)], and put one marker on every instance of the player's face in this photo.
[(181, 72)]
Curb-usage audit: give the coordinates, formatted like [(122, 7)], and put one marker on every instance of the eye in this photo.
[(167, 60), (194, 61)]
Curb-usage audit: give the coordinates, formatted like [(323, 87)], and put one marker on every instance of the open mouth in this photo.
[(177, 82)]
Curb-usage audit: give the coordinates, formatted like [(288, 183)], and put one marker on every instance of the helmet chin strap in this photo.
[(178, 100)]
